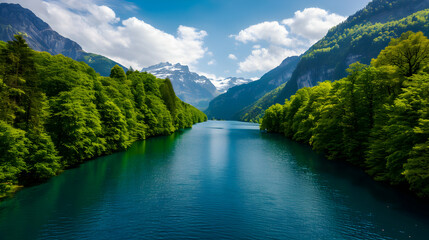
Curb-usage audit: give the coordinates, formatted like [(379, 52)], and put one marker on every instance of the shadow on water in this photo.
[(349, 179), (69, 195), (220, 180), (307, 159)]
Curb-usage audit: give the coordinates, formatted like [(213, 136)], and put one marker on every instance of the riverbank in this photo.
[(220, 179)]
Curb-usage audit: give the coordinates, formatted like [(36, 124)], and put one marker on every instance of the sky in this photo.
[(216, 38)]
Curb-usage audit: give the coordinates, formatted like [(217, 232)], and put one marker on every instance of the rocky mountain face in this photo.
[(230, 104), (15, 19), (190, 87)]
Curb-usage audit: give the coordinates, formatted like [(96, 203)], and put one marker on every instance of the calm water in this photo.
[(220, 180)]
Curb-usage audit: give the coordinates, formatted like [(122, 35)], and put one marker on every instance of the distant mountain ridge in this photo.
[(15, 19), (190, 87), (230, 104)]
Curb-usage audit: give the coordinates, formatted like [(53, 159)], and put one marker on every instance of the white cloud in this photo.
[(211, 62), (232, 56), (131, 42), (271, 32), (290, 37), (263, 59), (312, 23)]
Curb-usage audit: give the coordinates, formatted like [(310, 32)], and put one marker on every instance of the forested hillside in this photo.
[(377, 117), (230, 105), (360, 38), (56, 112)]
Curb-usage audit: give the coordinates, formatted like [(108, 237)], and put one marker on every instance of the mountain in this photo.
[(255, 111), (224, 84), (190, 87), (360, 38), (15, 19), (229, 104)]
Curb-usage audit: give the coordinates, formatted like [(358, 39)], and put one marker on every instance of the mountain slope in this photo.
[(255, 111), (360, 38), (190, 87), (15, 19), (229, 104)]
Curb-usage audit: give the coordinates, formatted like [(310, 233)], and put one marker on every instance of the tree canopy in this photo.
[(377, 117), (56, 112)]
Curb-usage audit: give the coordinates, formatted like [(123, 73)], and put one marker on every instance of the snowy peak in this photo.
[(224, 84), (166, 70), (189, 86)]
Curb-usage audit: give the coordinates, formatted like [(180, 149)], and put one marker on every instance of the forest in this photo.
[(56, 113), (376, 118)]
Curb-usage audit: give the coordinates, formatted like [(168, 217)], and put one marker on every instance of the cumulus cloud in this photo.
[(271, 32), (312, 23), (211, 62), (263, 59), (131, 42), (232, 57), (287, 38)]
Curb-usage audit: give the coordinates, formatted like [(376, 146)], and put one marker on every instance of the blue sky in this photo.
[(216, 37)]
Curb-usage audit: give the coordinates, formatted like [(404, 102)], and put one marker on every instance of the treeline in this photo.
[(377, 117), (56, 112)]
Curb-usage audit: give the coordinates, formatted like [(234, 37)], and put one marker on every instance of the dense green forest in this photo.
[(377, 117), (56, 112), (343, 44), (360, 38)]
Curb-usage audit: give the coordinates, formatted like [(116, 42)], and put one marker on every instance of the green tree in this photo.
[(409, 53), (13, 152), (118, 73)]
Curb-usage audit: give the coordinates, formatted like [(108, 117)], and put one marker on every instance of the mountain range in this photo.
[(15, 19), (360, 38), (190, 87)]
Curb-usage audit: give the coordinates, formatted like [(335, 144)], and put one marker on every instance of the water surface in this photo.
[(220, 180)]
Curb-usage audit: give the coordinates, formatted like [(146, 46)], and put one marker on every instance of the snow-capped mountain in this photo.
[(190, 87), (224, 84)]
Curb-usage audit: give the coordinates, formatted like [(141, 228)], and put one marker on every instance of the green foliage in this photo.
[(377, 117), (75, 126), (13, 152), (118, 73), (56, 112), (360, 38), (408, 54), (245, 97), (100, 64)]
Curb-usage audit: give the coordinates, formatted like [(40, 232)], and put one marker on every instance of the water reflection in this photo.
[(222, 180)]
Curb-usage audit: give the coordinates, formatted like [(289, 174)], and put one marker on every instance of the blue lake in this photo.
[(219, 180)]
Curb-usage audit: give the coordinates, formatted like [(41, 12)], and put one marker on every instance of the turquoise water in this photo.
[(219, 180)]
